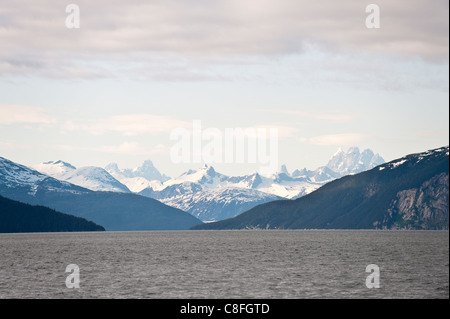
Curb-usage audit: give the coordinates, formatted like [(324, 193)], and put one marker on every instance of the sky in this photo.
[(116, 88)]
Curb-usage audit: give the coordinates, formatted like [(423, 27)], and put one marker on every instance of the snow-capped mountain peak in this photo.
[(96, 179), (139, 178), (11, 172), (146, 170), (353, 161), (14, 176), (90, 177), (338, 152), (284, 170), (205, 176), (55, 169), (208, 194)]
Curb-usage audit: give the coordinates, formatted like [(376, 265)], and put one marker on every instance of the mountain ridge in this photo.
[(207, 194), (90, 177), (113, 210), (204, 192), (378, 198)]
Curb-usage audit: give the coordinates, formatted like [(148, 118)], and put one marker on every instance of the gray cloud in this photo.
[(34, 39)]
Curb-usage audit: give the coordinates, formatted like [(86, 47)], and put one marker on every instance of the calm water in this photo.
[(226, 264)]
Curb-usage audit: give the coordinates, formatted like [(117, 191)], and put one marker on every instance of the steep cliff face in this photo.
[(425, 207)]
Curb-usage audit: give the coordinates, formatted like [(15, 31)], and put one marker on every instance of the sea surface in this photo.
[(295, 264)]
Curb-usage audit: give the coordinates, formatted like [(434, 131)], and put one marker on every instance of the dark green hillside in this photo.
[(17, 217)]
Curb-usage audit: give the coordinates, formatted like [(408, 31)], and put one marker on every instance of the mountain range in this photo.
[(138, 178), (208, 194), (93, 178), (408, 193), (112, 210)]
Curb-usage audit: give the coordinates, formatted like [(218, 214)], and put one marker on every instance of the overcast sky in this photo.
[(113, 89)]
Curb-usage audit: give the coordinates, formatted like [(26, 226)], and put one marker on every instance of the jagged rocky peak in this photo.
[(411, 192), (284, 170), (353, 161), (208, 170), (146, 170)]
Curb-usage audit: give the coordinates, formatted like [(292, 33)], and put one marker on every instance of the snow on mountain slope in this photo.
[(14, 176), (353, 161), (219, 204), (139, 178), (90, 177), (96, 179), (54, 169), (278, 184), (287, 187), (411, 192), (210, 195), (206, 176), (113, 210), (137, 184), (414, 159), (147, 170), (205, 192), (283, 184)]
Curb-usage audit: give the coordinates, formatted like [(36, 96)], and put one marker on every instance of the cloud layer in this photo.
[(129, 124), (23, 114), (35, 39)]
